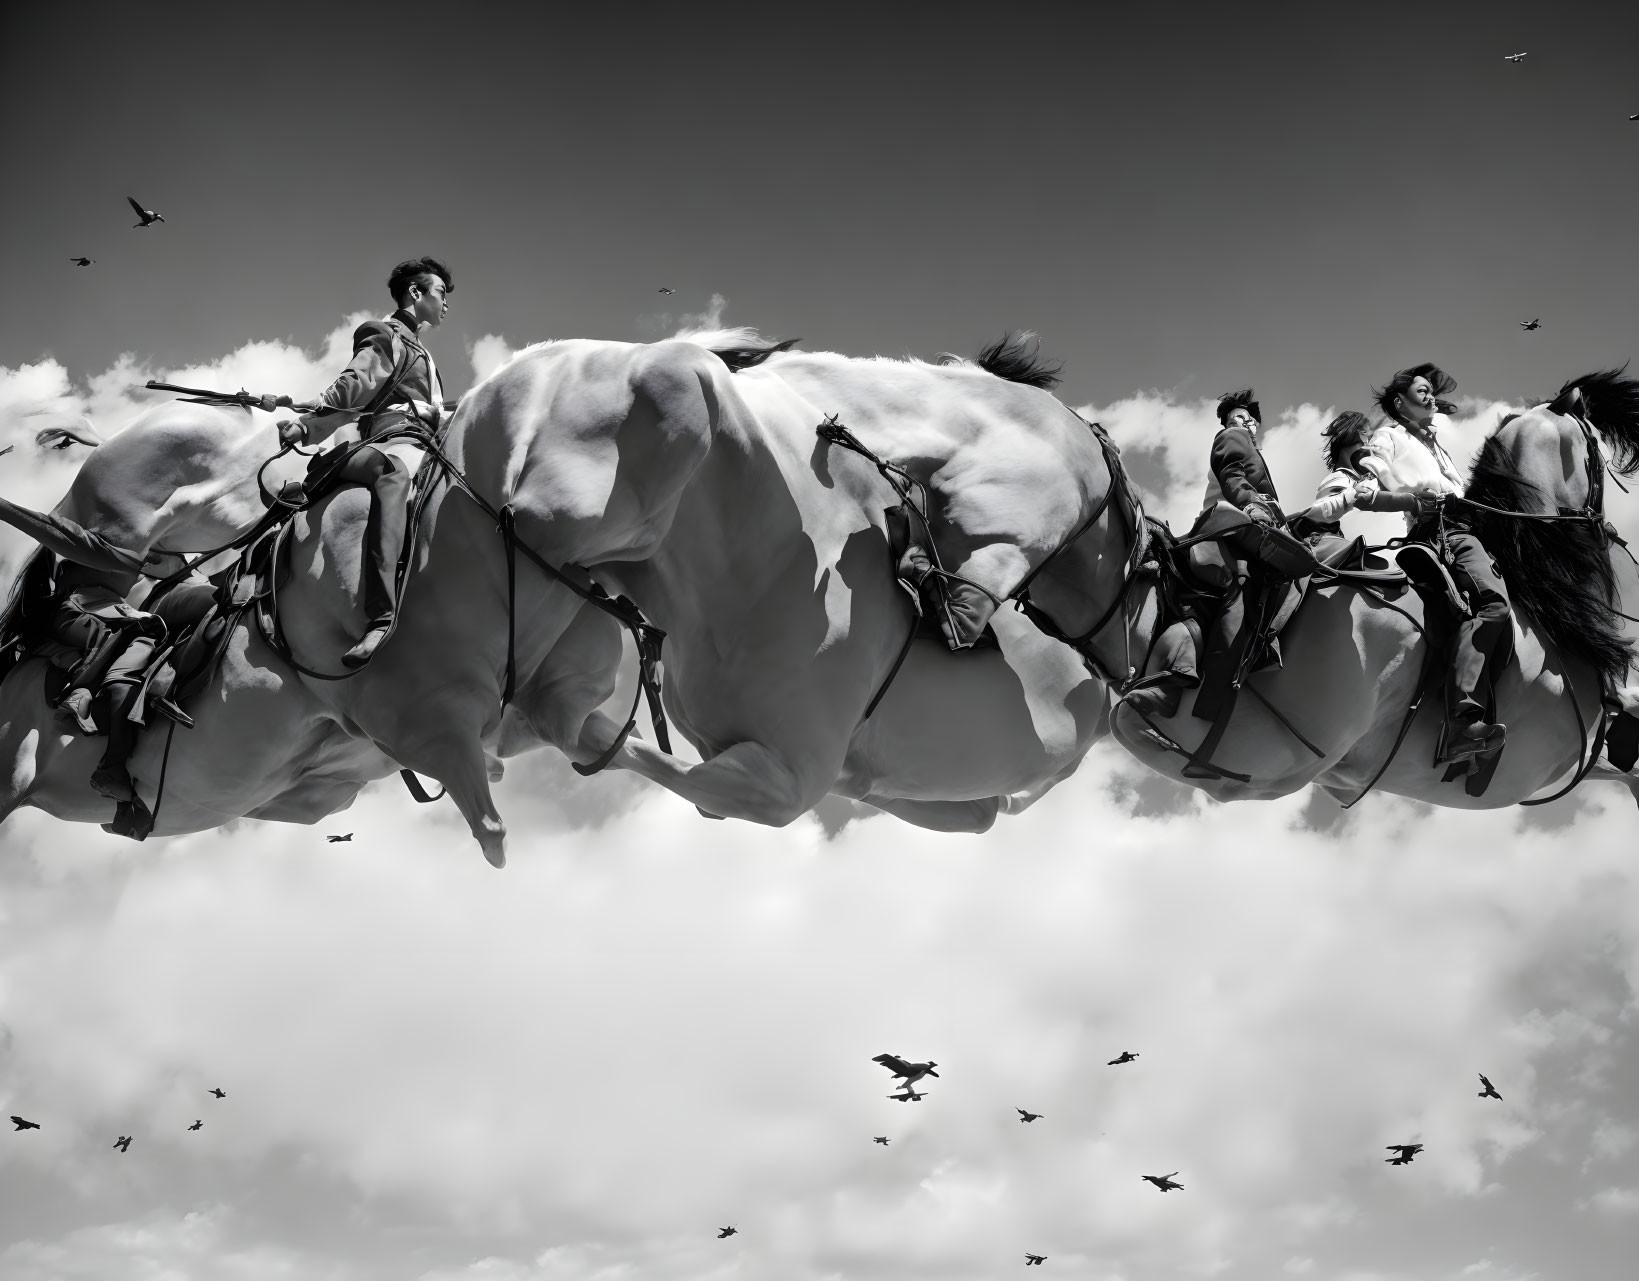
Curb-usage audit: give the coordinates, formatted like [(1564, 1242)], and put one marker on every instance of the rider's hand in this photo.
[(292, 431), (1260, 515)]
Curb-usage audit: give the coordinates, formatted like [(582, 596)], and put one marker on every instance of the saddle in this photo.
[(1327, 557)]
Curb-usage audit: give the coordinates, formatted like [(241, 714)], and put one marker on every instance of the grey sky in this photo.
[(649, 1025), (1197, 196)]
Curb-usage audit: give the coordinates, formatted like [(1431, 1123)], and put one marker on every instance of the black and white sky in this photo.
[(649, 1026)]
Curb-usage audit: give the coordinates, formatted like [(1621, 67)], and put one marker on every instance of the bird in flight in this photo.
[(1033, 1260), (665, 290), (123, 1143), (726, 1232), (1531, 324), (24, 1125), (197, 1125), (82, 262), (1513, 57), (1164, 1181), (912, 1072), (1027, 1116), (148, 216), (1490, 1091), (219, 1092), (882, 1139), (337, 840), (1404, 1151), (1127, 1056)]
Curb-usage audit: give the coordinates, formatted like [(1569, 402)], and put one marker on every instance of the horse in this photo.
[(707, 496), (1338, 712)]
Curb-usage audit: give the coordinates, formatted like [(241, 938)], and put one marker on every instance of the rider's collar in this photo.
[(406, 317)]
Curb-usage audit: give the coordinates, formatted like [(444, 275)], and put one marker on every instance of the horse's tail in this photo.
[(1611, 403), (27, 611)]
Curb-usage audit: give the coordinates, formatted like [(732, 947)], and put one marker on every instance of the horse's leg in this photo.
[(69, 539), (748, 780), (942, 816)]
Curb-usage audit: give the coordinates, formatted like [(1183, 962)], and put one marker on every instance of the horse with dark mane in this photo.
[(1341, 710)]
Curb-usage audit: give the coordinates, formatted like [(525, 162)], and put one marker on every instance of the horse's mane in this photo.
[(1612, 405), (1559, 573), (1015, 356), (739, 348)]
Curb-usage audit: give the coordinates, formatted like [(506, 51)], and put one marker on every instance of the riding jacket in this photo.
[(1403, 460), (1239, 475), (388, 362)]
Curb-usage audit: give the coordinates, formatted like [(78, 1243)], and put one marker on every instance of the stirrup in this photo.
[(166, 707), (1475, 739), (367, 646)]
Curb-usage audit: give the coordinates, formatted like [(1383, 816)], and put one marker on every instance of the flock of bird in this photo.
[(123, 1143), (909, 1072)]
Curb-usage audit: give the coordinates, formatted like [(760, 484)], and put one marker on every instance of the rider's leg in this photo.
[(389, 486), (1479, 645), (122, 688), (1176, 652)]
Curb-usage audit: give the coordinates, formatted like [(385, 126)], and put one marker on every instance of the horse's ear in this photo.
[(1569, 401)]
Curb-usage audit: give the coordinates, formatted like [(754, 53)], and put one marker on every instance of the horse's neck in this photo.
[(1086, 581)]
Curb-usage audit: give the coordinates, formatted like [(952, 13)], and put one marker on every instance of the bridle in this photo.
[(1133, 571)]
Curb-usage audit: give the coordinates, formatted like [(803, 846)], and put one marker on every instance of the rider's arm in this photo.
[(371, 366), (1376, 493), (1234, 461), (1336, 495)]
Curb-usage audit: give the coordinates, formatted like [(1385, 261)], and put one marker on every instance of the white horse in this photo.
[(708, 497), (1336, 712)]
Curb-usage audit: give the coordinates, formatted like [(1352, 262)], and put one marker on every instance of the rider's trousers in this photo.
[(1480, 638), (389, 486)]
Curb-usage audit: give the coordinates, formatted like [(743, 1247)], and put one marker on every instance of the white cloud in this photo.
[(197, 1246), (488, 354), (650, 1025)]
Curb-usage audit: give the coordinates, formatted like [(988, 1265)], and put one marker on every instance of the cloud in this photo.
[(488, 354), (650, 1025), (710, 318)]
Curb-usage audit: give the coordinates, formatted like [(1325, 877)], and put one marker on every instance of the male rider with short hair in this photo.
[(390, 381), (1238, 478)]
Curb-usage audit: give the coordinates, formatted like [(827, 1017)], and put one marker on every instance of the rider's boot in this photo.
[(383, 541), (1473, 670), (77, 704), (1159, 696), (111, 777)]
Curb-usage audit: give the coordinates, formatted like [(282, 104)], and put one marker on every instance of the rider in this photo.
[(1239, 481), (1412, 472), (1341, 489), (390, 381)]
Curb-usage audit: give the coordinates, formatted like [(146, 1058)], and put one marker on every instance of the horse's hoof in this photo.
[(492, 840)]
